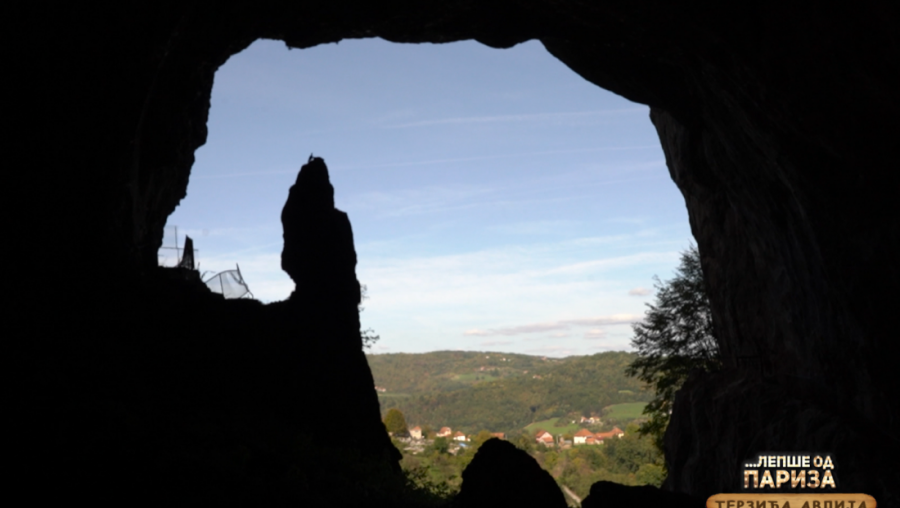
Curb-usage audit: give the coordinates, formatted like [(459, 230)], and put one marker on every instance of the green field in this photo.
[(626, 411), (550, 426)]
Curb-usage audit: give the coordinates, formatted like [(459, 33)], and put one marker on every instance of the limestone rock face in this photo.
[(502, 475), (778, 124)]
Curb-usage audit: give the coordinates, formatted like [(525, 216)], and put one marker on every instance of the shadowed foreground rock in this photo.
[(502, 475), (319, 256), (608, 494)]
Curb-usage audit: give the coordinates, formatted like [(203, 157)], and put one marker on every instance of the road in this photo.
[(571, 494)]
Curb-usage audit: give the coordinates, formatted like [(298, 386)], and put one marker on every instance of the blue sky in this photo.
[(499, 202)]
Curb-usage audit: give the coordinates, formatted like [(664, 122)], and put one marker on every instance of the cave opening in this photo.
[(494, 194), (778, 127)]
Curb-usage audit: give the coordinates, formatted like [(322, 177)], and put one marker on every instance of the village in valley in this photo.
[(440, 407), (451, 394), (418, 439)]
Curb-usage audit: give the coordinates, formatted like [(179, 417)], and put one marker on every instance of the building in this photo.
[(459, 436), (415, 432), (581, 437), (590, 419), (543, 437), (444, 432), (616, 432), (498, 435)]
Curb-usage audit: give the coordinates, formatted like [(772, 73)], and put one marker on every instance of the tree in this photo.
[(441, 445), (395, 422), (480, 438), (650, 474), (523, 440), (675, 337), (368, 335)]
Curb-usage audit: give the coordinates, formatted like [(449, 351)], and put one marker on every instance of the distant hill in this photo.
[(440, 371), (501, 392)]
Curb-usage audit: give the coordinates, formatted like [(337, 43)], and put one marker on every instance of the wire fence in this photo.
[(228, 283)]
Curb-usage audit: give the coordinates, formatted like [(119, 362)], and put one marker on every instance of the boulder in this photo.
[(502, 475), (608, 494)]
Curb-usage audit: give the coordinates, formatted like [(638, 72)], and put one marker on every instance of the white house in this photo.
[(581, 436), (415, 432), (543, 437)]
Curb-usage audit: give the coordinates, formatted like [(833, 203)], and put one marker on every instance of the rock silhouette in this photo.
[(778, 124), (608, 494), (318, 250), (319, 256), (502, 475)]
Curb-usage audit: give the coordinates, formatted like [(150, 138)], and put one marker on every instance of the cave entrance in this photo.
[(498, 200)]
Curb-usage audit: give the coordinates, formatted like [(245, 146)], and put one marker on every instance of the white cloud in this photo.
[(523, 329), (639, 292), (616, 262), (595, 333), (618, 319)]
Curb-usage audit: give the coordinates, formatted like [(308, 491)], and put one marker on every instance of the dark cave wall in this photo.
[(778, 124)]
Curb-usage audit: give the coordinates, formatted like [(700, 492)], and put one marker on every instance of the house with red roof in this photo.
[(459, 436), (581, 437), (543, 437), (415, 432), (498, 435), (444, 432), (616, 432)]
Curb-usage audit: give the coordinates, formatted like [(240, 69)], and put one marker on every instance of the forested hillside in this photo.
[(501, 392), (413, 374)]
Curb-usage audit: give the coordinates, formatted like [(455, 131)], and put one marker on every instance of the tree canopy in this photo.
[(395, 423), (675, 337)]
